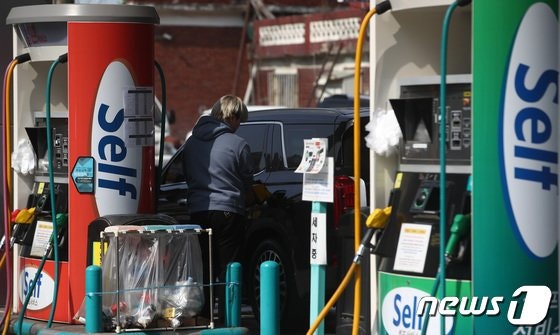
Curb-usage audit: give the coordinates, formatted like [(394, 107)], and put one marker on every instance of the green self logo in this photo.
[(529, 149)]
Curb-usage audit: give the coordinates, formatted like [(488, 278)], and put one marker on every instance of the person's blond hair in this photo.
[(230, 105)]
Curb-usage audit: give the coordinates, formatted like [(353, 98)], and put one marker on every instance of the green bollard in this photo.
[(93, 302), (270, 298), (233, 295)]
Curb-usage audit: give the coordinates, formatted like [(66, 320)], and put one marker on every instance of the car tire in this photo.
[(292, 314)]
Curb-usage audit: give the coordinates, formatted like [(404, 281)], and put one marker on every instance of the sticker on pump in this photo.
[(399, 313), (42, 294), (529, 139), (118, 161)]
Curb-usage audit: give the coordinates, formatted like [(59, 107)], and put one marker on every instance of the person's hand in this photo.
[(260, 193)]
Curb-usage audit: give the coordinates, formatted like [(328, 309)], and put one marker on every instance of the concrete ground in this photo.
[(249, 326)]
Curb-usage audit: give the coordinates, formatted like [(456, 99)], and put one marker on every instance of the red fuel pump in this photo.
[(102, 134)]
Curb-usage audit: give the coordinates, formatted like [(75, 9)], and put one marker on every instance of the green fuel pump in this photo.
[(419, 259)]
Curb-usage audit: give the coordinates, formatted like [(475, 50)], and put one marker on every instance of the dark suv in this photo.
[(279, 229)]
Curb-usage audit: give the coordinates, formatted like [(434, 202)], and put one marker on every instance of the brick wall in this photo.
[(199, 67), (261, 87), (306, 78)]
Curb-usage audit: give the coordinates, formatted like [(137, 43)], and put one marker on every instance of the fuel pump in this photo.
[(409, 246), (94, 150)]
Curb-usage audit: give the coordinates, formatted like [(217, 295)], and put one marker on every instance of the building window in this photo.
[(283, 89)]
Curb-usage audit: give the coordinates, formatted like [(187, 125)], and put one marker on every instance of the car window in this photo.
[(174, 172), (275, 161), (347, 155), (255, 135), (294, 136)]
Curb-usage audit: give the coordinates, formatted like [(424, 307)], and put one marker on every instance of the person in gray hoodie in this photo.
[(219, 174)]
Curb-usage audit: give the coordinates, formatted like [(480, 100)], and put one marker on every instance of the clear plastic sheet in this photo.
[(158, 276)]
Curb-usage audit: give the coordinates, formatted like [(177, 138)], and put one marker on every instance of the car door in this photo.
[(257, 136)]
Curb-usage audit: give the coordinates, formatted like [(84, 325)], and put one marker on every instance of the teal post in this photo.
[(317, 284), (93, 300), (233, 295), (270, 301)]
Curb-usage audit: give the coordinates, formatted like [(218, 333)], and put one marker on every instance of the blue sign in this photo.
[(83, 174)]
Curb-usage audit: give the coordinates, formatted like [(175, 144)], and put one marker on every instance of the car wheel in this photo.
[(270, 250)]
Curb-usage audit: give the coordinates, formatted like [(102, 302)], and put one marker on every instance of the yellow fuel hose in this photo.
[(333, 299), (355, 268), (8, 169), (7, 165), (8, 130), (375, 221), (357, 161)]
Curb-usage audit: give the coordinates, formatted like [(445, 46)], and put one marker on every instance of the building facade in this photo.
[(285, 52)]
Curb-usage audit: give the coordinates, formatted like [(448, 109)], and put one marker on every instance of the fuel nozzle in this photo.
[(21, 220), (375, 221), (378, 218), (459, 228), (61, 223)]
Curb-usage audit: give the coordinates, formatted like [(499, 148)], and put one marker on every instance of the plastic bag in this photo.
[(158, 277), (185, 297), (384, 133), (24, 160)]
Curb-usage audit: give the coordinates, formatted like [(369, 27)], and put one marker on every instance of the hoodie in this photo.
[(218, 168)]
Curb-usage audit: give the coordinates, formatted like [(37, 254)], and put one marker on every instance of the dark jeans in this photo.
[(227, 239)]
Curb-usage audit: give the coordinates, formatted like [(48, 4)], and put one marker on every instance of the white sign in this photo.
[(41, 238), (318, 250), (314, 155), (318, 171), (412, 247), (319, 186)]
